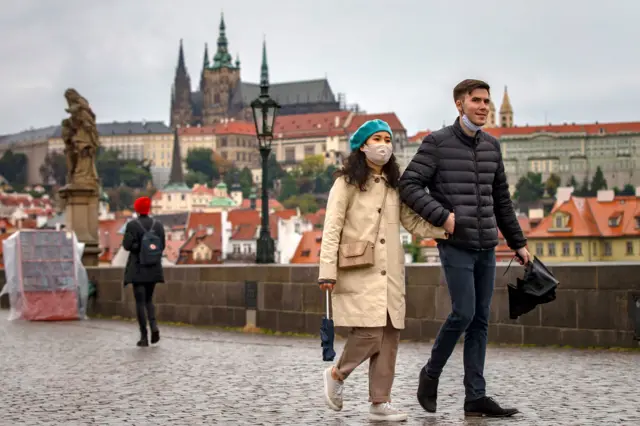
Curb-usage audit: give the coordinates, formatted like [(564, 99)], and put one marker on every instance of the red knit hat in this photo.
[(142, 205)]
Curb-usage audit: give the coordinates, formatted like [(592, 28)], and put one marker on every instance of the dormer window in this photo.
[(560, 223), (615, 219), (637, 222)]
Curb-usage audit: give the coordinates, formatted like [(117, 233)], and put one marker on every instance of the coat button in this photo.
[(384, 272), (379, 210), (382, 241), (377, 180)]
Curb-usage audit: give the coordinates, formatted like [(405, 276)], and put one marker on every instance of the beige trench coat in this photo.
[(362, 297)]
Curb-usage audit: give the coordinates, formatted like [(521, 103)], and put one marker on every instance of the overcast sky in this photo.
[(566, 60)]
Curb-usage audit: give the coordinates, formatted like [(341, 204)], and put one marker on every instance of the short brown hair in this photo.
[(465, 87)]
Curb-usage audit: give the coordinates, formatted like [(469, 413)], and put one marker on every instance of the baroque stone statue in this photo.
[(80, 136)]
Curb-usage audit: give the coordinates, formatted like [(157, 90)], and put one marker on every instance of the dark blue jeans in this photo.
[(470, 278)]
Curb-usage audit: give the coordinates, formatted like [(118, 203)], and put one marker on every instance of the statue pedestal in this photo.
[(81, 216)]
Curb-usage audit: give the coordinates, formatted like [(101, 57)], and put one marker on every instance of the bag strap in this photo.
[(384, 202)]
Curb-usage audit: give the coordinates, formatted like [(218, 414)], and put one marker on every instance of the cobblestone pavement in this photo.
[(82, 373)]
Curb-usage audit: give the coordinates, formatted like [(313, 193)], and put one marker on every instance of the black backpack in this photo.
[(150, 246)]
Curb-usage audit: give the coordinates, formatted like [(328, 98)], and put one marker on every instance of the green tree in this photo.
[(193, 178), (14, 168), (324, 180), (307, 203), (54, 168), (584, 190), (202, 160), (552, 184), (573, 183), (312, 166), (598, 182), (529, 188), (108, 165), (288, 187), (627, 190), (274, 171), (115, 171), (134, 174), (243, 177)]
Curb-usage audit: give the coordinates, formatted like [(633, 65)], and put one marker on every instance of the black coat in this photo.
[(464, 175), (135, 272)]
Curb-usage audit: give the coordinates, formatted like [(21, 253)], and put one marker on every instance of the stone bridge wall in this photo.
[(596, 303)]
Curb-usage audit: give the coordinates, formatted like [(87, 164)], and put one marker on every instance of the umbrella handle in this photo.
[(327, 294)]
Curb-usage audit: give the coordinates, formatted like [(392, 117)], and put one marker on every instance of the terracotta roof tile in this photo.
[(588, 217), (418, 137), (310, 125), (390, 117), (201, 220), (245, 232), (588, 129), (308, 250)]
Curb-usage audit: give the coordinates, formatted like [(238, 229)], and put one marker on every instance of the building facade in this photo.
[(222, 94), (591, 229), (566, 150)]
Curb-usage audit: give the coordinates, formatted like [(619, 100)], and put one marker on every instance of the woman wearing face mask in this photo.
[(364, 206)]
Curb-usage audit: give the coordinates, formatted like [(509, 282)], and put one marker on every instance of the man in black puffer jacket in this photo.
[(468, 195)]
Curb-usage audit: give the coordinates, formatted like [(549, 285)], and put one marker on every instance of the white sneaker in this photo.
[(332, 390), (386, 412)]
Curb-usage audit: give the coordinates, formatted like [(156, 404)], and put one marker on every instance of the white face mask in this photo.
[(378, 154)]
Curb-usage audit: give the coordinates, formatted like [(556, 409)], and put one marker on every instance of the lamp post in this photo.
[(264, 115)]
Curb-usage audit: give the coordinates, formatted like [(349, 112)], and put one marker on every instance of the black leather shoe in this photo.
[(487, 407), (155, 337), (427, 392), (143, 342)]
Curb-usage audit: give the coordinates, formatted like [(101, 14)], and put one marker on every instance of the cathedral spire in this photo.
[(506, 110), (205, 61), (222, 58), (264, 69), (181, 68), (176, 177)]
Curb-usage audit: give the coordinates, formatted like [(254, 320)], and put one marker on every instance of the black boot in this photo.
[(487, 407), (155, 336), (143, 342), (427, 392)]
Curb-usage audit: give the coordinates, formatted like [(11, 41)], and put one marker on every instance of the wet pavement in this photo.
[(91, 373)]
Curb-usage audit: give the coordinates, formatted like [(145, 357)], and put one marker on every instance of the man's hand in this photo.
[(523, 255), (450, 224)]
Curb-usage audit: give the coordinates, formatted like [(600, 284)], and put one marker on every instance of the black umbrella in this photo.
[(327, 334), (537, 287)]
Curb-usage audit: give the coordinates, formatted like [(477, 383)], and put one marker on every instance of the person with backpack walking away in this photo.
[(144, 239), (362, 265)]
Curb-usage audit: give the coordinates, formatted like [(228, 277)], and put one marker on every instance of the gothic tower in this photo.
[(219, 79), (181, 110), (506, 111), (491, 118)]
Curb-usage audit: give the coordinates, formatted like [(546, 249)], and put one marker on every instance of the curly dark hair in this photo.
[(356, 170)]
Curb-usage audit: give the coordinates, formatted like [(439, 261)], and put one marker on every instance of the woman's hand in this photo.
[(327, 286)]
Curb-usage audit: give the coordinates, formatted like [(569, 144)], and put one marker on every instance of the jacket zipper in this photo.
[(475, 166)]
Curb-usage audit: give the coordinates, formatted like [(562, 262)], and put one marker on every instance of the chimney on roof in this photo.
[(337, 121), (637, 191), (605, 195), (563, 194)]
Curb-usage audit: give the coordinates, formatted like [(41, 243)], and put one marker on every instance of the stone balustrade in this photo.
[(598, 304)]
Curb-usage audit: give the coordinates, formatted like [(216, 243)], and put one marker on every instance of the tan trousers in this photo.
[(380, 346)]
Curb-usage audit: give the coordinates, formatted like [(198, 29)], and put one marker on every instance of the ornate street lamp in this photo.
[(265, 110)]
